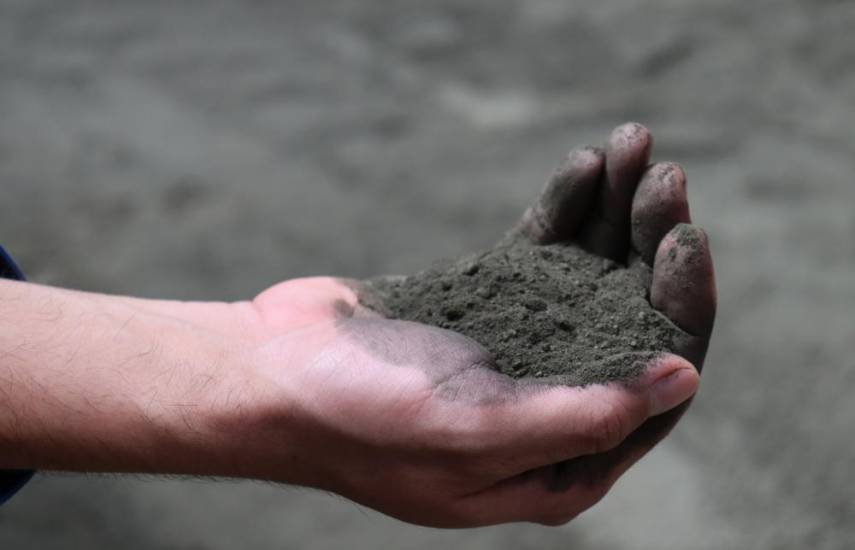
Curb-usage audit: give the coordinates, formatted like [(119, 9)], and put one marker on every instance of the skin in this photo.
[(303, 385)]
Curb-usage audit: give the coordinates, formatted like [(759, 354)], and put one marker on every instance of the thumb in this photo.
[(552, 424)]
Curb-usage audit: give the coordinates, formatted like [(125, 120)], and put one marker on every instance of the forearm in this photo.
[(99, 383)]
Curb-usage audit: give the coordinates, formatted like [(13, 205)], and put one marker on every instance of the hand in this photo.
[(409, 419), (304, 385)]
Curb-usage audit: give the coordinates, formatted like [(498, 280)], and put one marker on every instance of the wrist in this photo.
[(259, 418), (112, 384), (248, 418)]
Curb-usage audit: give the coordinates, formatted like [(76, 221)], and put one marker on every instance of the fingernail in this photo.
[(672, 389)]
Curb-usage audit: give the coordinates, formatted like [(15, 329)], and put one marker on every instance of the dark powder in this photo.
[(553, 310)]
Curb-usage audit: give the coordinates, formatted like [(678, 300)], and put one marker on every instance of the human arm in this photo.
[(266, 390), (303, 385)]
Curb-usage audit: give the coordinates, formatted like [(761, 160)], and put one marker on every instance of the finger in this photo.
[(605, 467), (627, 155), (683, 288), (545, 496), (528, 498), (566, 198), (660, 203), (548, 425), (553, 493)]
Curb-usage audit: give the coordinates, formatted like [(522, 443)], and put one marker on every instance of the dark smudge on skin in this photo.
[(343, 309), (457, 366)]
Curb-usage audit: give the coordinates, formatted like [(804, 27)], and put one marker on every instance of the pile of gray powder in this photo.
[(540, 310)]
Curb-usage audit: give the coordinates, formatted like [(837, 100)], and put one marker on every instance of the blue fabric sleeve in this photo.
[(11, 481)]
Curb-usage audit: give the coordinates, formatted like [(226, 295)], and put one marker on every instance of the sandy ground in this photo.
[(207, 149)]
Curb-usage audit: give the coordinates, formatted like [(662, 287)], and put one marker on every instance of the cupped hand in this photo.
[(411, 420)]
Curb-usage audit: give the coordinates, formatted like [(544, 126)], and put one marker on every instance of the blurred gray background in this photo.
[(208, 149)]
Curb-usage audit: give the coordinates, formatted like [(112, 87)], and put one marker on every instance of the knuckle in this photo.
[(609, 425), (567, 506), (559, 514), (466, 439), (477, 464)]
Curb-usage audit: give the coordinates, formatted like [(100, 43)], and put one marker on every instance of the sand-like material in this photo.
[(542, 311)]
